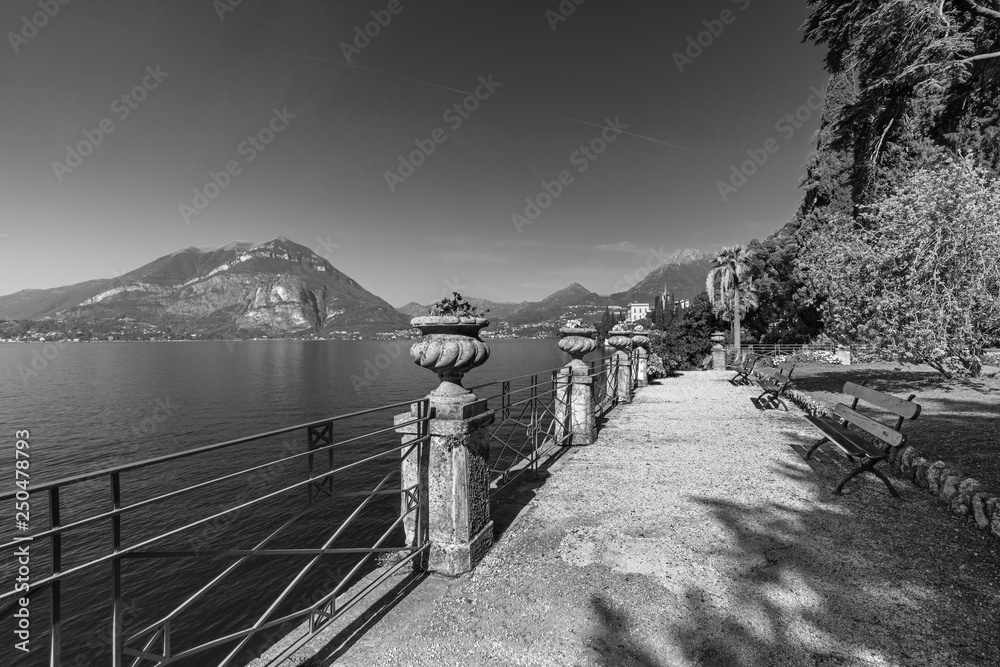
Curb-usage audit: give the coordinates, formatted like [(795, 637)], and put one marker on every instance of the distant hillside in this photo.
[(278, 287), (681, 274)]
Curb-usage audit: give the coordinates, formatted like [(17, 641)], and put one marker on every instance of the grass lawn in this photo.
[(960, 420)]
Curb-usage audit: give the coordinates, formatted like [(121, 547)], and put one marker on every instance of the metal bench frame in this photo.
[(774, 383), (851, 442), (743, 369)]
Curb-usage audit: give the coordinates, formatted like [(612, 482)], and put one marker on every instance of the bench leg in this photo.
[(867, 467), (816, 446)]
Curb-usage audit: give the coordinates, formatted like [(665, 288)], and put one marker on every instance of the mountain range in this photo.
[(281, 288)]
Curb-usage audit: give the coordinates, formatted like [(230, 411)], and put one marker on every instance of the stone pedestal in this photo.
[(718, 352), (564, 391), (454, 463), (623, 358), (574, 389), (641, 344), (457, 502)]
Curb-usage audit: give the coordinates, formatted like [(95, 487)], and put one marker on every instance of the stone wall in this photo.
[(961, 494)]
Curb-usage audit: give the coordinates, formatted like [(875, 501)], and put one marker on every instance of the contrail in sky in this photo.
[(464, 92), (639, 136), (425, 83)]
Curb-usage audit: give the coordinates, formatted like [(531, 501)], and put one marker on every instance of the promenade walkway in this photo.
[(693, 533)]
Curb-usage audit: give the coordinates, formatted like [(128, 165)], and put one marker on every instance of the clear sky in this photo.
[(211, 75)]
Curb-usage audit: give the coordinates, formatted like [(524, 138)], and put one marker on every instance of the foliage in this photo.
[(917, 276), (732, 274), (926, 78), (808, 357), (454, 305), (685, 341)]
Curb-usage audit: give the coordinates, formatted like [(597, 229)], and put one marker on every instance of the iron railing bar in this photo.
[(270, 624), (516, 377), (75, 479), (193, 598), (266, 552), (340, 611), (211, 584), (171, 494), (59, 575), (309, 566)]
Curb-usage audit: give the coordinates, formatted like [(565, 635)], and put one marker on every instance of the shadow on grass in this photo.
[(849, 580), (893, 380)]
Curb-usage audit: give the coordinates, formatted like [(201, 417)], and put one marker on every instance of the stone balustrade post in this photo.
[(641, 343), (576, 410), (622, 343), (844, 354), (455, 469), (718, 352)]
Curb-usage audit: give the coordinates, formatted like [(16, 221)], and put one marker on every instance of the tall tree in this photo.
[(657, 316), (917, 278), (725, 280), (926, 73)]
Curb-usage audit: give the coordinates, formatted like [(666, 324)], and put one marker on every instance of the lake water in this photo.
[(89, 406)]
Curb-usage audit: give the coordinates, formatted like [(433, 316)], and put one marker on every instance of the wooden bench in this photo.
[(774, 382), (857, 447), (743, 369)]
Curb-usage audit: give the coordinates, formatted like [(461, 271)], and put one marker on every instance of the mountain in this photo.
[(681, 274), (273, 288), (498, 309)]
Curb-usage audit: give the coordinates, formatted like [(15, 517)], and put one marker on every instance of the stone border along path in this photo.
[(694, 533)]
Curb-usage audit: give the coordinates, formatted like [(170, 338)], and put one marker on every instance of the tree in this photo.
[(917, 276), (926, 78), (607, 321), (725, 280), (657, 316)]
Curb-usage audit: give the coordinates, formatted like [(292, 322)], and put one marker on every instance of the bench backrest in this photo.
[(902, 408), (781, 374), (749, 362)]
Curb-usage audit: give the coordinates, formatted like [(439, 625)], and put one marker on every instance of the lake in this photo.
[(90, 406)]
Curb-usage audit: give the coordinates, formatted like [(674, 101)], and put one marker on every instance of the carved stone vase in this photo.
[(450, 346), (577, 343)]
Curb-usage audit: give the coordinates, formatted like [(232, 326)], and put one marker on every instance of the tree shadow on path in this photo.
[(843, 580)]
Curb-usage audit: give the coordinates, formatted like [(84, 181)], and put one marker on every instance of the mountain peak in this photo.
[(572, 291)]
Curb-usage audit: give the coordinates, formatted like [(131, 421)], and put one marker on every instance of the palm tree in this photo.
[(727, 280)]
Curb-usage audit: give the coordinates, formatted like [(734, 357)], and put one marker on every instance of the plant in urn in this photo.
[(620, 338), (450, 346), (577, 341), (640, 338)]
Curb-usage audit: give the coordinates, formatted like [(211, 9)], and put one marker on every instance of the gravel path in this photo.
[(693, 533)]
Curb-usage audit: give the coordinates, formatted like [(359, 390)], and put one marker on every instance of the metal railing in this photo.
[(604, 390), (190, 575), (525, 431)]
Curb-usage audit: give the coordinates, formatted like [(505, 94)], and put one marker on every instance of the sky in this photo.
[(503, 150)]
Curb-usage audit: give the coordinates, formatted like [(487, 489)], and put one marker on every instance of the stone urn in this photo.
[(620, 340), (718, 338), (450, 346), (641, 340), (577, 342)]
